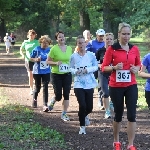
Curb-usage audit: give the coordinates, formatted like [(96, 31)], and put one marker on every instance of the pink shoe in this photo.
[(131, 148), (117, 146)]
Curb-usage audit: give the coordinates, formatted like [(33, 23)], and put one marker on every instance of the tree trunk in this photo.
[(109, 24), (84, 20), (106, 19), (2, 28)]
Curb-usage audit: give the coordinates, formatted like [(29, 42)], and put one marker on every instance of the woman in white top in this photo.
[(82, 65)]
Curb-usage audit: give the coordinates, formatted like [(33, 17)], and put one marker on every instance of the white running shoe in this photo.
[(51, 104), (65, 117), (107, 115), (111, 106), (31, 92), (82, 130), (87, 121)]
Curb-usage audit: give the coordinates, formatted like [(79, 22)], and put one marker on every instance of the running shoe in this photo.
[(51, 105), (82, 130), (111, 106), (131, 148), (34, 103), (117, 145), (65, 117), (31, 92), (87, 121), (107, 115), (45, 109)]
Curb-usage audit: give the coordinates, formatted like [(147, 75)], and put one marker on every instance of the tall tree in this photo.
[(6, 14)]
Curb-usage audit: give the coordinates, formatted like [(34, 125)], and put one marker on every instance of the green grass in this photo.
[(136, 40), (19, 131), (140, 81)]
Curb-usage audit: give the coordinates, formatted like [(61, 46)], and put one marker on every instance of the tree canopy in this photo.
[(72, 16)]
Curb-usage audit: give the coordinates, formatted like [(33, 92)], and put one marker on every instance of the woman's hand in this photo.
[(84, 71), (59, 63), (38, 59), (134, 69), (119, 66)]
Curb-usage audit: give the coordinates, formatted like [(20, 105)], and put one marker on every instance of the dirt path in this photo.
[(14, 83)]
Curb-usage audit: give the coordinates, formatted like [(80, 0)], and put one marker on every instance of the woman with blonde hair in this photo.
[(25, 50), (41, 70), (123, 61), (102, 76)]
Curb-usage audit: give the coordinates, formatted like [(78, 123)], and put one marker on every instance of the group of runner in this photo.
[(9, 41), (117, 63)]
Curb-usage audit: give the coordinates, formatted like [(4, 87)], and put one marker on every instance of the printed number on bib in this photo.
[(63, 68), (123, 76), (43, 65)]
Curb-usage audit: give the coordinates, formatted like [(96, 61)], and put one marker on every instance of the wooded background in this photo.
[(72, 16)]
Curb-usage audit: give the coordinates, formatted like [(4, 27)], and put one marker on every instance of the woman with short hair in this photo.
[(41, 70), (104, 77)]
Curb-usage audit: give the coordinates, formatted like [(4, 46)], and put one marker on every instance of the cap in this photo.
[(6, 33), (100, 32)]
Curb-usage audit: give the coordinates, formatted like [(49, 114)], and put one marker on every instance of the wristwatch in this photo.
[(113, 69)]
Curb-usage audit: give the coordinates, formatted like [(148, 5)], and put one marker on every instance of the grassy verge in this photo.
[(141, 82), (19, 131)]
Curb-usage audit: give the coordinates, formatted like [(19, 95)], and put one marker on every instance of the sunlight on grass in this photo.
[(140, 81), (136, 40)]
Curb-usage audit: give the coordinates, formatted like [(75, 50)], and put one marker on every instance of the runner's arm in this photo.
[(22, 51), (51, 62), (142, 73)]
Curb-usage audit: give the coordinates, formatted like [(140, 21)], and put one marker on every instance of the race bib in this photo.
[(123, 76), (81, 70), (63, 68), (43, 65)]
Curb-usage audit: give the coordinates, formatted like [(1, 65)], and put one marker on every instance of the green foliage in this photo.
[(18, 130), (48, 16)]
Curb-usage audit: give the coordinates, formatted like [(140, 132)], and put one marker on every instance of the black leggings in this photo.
[(45, 78), (117, 95), (147, 96), (85, 100), (59, 82)]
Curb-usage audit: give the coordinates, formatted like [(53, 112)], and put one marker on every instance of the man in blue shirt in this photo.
[(98, 43)]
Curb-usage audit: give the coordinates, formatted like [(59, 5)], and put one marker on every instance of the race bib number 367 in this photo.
[(123, 76)]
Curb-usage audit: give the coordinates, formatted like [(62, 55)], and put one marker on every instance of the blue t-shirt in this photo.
[(146, 63), (94, 45), (40, 67)]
